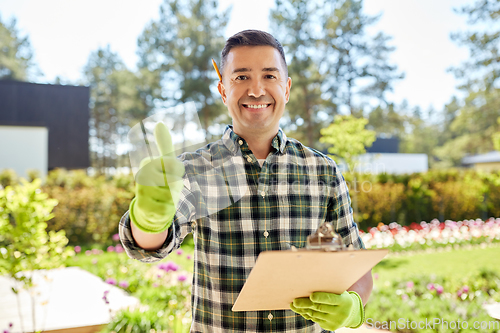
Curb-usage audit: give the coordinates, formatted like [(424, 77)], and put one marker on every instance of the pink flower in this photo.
[(409, 284), (188, 257), (169, 266), (111, 249), (155, 285), (465, 289), (78, 249), (375, 276), (179, 252), (119, 248), (123, 284), (430, 286), (88, 252), (116, 237), (94, 261), (182, 277), (459, 293), (439, 290), (404, 297), (111, 281)]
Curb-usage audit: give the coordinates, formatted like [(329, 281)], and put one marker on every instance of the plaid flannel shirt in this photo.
[(285, 200)]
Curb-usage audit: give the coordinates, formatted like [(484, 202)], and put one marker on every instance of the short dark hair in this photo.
[(252, 38)]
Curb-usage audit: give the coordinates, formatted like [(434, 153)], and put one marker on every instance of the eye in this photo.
[(241, 77), (270, 76)]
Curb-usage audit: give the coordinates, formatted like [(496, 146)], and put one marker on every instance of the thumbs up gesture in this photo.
[(158, 186)]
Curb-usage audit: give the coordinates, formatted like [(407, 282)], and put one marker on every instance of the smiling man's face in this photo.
[(255, 89)]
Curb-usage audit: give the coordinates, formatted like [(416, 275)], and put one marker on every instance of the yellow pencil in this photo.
[(216, 69)]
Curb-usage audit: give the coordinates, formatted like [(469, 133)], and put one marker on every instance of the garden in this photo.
[(436, 269)]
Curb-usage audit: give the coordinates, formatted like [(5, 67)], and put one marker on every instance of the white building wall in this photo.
[(392, 163), (23, 148)]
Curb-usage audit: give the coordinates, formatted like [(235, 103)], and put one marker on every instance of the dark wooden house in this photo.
[(62, 110)]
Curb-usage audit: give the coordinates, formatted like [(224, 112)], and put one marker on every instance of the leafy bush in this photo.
[(89, 207), (25, 245), (452, 194)]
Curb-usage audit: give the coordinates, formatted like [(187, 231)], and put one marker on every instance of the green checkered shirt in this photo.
[(282, 203)]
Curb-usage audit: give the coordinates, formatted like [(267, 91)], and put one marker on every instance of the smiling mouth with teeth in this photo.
[(256, 106)]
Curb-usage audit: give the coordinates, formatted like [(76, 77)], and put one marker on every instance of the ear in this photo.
[(288, 87), (222, 92)]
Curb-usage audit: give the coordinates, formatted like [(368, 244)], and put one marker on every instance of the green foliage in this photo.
[(334, 64), (496, 138), (348, 137), (25, 245), (115, 104), (8, 177), (15, 53), (442, 194), (24, 241), (178, 48), (89, 207), (483, 42)]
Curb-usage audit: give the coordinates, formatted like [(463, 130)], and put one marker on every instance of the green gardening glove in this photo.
[(331, 311), (158, 186)]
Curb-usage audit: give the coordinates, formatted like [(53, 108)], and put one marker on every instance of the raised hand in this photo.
[(158, 186)]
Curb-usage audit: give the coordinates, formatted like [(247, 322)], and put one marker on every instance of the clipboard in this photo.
[(279, 277)]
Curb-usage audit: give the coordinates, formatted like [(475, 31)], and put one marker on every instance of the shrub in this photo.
[(89, 207)]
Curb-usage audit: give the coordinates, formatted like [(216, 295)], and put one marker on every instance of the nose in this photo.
[(256, 88)]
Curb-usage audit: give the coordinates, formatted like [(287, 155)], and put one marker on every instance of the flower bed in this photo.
[(163, 288), (437, 304), (423, 235)]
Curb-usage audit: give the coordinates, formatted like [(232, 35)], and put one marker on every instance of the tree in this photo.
[(496, 138), (347, 138), (15, 53), (293, 23), (473, 122), (335, 67), (482, 70), (179, 47), (115, 104), (389, 121), (359, 70)]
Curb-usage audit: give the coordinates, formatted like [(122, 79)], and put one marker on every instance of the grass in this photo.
[(460, 262)]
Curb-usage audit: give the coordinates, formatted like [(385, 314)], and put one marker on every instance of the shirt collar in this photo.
[(231, 139)]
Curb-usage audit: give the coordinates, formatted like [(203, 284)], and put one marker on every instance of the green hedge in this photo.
[(445, 195), (90, 207)]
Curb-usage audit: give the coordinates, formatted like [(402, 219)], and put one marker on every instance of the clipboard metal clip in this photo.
[(325, 239)]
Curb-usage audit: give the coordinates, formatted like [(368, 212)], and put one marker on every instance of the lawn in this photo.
[(461, 262)]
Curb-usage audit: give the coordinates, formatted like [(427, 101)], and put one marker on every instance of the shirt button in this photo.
[(266, 234), (240, 142), (263, 194), (270, 317), (249, 159)]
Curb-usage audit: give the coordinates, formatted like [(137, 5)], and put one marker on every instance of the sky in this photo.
[(63, 33)]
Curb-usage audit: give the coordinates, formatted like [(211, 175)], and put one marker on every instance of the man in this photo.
[(284, 202)]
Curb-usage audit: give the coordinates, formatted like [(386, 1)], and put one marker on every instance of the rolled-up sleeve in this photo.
[(135, 251)]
